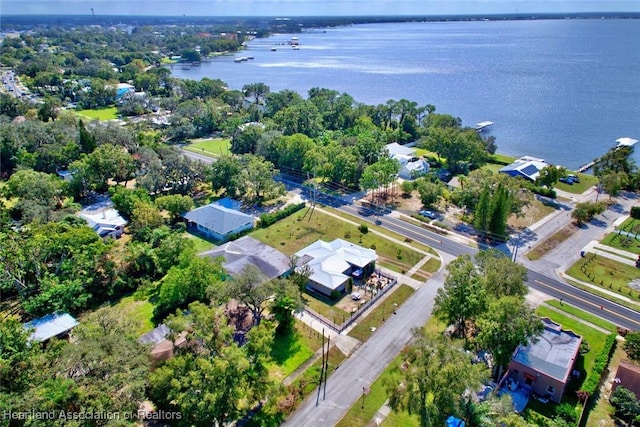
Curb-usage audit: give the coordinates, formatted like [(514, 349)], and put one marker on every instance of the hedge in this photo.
[(600, 364), (544, 191), (635, 212), (270, 218)]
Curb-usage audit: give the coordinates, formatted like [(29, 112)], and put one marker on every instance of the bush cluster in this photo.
[(544, 191), (270, 218), (601, 362), (635, 212)]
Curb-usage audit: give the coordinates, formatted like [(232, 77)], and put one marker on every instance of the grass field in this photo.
[(583, 315), (626, 243), (586, 182), (326, 307), (605, 272), (140, 312), (376, 317), (199, 243), (364, 409), (541, 249), (109, 113), (214, 147), (291, 351), (300, 230)]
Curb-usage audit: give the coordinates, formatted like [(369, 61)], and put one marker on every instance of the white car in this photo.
[(356, 296)]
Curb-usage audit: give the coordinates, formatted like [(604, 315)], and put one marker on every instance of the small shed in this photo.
[(49, 326)]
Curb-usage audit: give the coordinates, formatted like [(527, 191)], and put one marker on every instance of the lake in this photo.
[(562, 90)]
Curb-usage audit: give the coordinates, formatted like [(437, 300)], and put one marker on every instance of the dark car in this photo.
[(566, 180)]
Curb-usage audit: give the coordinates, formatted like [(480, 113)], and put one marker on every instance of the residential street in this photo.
[(344, 387)]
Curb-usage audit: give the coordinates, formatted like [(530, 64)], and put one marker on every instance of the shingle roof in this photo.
[(628, 376), (248, 250), (49, 326), (218, 218), (554, 352)]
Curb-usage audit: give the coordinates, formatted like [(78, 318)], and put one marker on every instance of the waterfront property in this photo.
[(333, 263), (525, 167), (411, 166), (218, 222), (49, 326), (545, 366), (250, 251)]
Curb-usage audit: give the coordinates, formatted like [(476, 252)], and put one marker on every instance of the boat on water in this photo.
[(295, 47), (273, 49), (241, 59), (186, 67)]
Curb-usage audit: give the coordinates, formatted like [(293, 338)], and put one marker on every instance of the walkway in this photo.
[(615, 254)]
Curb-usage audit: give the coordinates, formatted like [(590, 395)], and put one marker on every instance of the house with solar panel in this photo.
[(525, 167)]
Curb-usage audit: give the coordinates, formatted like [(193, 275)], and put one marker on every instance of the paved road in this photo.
[(369, 361)]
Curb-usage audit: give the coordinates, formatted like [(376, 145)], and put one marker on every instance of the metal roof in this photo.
[(218, 218), (50, 325)]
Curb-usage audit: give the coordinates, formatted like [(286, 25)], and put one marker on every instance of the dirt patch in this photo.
[(551, 243)]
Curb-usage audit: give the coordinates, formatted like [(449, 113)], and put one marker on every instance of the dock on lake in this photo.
[(483, 126), (622, 142)]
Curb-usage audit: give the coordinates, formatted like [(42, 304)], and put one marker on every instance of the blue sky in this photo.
[(311, 7)]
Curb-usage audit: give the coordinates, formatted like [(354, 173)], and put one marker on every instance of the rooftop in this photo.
[(218, 218), (628, 376), (248, 250), (553, 353), (50, 325)]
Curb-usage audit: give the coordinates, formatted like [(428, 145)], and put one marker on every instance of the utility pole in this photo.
[(321, 371)]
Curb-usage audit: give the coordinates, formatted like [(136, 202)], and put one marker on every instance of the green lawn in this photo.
[(626, 243), (376, 317), (214, 147), (503, 158), (291, 351), (326, 307), (582, 314), (139, 312), (364, 409), (199, 243), (586, 182), (301, 229), (605, 272), (109, 113)]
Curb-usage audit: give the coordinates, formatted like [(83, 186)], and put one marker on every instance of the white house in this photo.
[(218, 222), (525, 167), (333, 263), (411, 166), (104, 219)]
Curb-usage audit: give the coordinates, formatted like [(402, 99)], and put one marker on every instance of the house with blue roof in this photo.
[(525, 167)]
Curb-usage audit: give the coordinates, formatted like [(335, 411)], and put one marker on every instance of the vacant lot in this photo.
[(109, 113), (606, 272), (303, 228), (625, 237), (214, 147)]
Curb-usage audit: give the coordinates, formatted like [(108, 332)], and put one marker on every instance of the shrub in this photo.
[(635, 212), (364, 229), (567, 412), (600, 364), (267, 219), (544, 191), (632, 345), (335, 295)]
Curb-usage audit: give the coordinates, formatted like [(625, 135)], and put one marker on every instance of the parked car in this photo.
[(428, 214), (566, 180), (573, 178)]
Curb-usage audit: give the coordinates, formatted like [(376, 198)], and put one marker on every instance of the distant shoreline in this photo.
[(25, 21)]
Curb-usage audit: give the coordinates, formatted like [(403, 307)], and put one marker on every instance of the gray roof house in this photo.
[(218, 222), (250, 251), (546, 365), (50, 326), (525, 167)]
